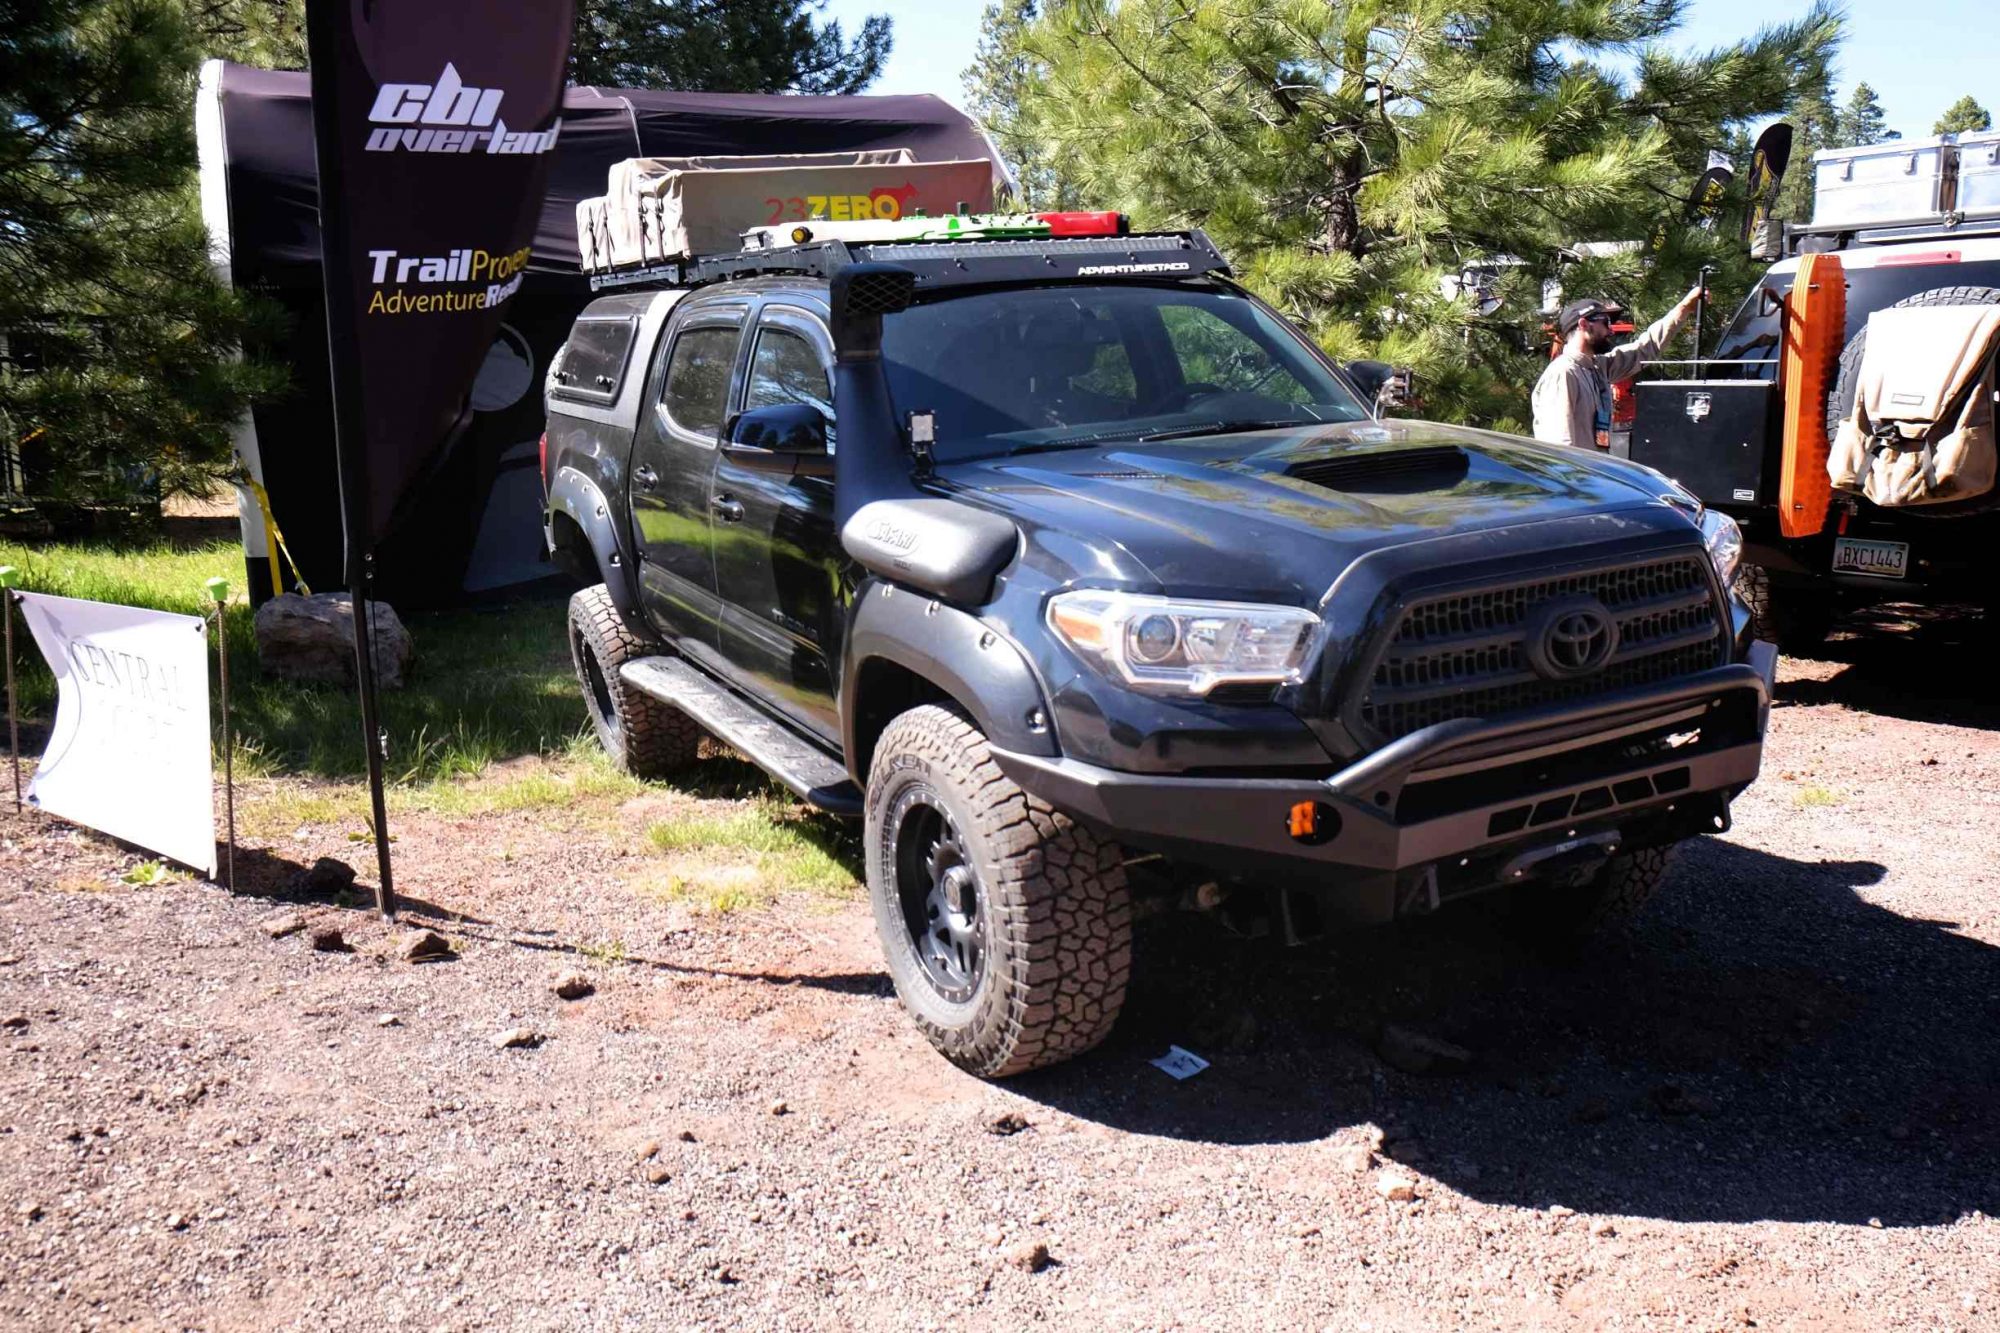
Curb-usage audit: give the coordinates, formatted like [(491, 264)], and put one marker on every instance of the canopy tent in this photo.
[(475, 525)]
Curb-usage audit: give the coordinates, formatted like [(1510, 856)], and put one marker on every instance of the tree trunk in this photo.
[(1341, 206)]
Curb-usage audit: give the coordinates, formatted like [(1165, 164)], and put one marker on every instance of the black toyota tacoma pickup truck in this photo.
[(1046, 557)]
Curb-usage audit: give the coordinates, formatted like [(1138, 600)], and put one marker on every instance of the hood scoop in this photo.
[(1385, 469)]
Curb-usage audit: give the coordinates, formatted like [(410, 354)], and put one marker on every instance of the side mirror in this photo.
[(787, 438), (1369, 376), (1382, 385)]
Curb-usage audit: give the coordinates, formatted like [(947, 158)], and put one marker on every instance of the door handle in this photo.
[(728, 510), (645, 476)]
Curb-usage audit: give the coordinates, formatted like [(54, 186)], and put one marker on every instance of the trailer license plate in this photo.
[(1882, 560)]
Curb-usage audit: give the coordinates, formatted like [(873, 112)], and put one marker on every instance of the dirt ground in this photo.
[(1777, 1106)]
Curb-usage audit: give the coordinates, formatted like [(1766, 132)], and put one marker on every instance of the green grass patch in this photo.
[(580, 779), (486, 684), (1815, 797), (729, 860), (147, 874)]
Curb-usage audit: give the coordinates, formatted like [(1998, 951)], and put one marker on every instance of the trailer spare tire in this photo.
[(1840, 403)]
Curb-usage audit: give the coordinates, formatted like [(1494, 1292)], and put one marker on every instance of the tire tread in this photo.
[(1058, 894), (647, 738)]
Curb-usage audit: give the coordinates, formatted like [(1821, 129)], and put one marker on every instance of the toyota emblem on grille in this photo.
[(1571, 637)]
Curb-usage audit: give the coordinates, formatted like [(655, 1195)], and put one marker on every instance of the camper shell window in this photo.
[(593, 360)]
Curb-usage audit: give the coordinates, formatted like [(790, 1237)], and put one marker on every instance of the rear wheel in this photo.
[(1007, 926), (1796, 619), (643, 736)]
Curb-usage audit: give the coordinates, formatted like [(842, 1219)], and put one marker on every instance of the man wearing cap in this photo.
[(1573, 397)]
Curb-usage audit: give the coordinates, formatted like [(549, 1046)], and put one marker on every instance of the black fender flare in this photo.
[(575, 496), (975, 664)]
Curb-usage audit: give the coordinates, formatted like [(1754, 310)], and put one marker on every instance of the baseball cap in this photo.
[(1576, 312)]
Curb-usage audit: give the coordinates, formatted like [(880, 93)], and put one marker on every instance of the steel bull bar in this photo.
[(1507, 794)]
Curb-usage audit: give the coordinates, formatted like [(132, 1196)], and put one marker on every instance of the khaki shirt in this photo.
[(1573, 397)]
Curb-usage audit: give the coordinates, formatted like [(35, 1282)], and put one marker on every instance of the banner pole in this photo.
[(329, 41), (9, 576), (219, 590), (377, 743)]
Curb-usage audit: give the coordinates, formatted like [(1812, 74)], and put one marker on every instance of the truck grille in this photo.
[(1466, 654)]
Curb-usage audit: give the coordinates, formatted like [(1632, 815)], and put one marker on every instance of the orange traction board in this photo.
[(1815, 325)]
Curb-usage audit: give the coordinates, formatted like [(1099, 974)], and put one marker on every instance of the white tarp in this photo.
[(129, 754)]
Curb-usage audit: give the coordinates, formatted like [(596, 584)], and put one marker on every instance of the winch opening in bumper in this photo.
[(1457, 801)]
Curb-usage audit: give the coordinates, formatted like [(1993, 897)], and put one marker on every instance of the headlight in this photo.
[(1719, 532), (1169, 646), (1724, 541)]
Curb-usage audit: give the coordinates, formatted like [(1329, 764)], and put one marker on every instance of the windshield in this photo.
[(1027, 369)]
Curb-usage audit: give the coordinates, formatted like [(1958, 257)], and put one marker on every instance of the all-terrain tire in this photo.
[(643, 736), (1847, 383), (1594, 906), (1796, 619), (1053, 917)]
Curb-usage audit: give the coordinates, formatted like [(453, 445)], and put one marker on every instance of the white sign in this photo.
[(129, 754), (1180, 1063)]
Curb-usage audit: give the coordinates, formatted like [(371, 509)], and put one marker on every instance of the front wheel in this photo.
[(1593, 904), (1798, 620), (1006, 925)]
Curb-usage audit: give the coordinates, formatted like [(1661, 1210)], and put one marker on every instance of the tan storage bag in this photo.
[(1921, 431)]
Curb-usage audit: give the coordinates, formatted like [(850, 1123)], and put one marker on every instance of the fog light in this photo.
[(1314, 823)]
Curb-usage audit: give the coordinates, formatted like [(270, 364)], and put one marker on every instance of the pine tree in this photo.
[(1815, 125), (1001, 93), (1862, 120), (736, 46), (120, 378), (270, 34), (1357, 158), (1963, 116)]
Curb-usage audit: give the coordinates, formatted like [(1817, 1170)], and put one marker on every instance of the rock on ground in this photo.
[(312, 639)]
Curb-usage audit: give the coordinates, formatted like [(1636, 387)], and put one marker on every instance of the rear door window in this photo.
[(594, 359)]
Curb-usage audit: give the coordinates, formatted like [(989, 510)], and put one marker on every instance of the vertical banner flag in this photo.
[(435, 121), (1767, 173), (433, 125), (129, 753), (1705, 200)]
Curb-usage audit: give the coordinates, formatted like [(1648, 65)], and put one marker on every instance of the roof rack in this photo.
[(948, 263), (1928, 227)]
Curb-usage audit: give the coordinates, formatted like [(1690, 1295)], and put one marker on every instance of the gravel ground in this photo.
[(1776, 1106)]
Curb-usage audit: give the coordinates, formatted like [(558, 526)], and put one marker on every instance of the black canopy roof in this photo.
[(273, 187)]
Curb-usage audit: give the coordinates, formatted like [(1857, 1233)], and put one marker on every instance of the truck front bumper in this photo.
[(1459, 806)]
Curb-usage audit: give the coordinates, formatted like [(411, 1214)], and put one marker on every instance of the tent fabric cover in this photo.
[(476, 524)]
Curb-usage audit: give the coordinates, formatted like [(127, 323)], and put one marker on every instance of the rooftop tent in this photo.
[(475, 525)]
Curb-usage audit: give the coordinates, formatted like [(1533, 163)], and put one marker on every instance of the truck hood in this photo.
[(1276, 515)]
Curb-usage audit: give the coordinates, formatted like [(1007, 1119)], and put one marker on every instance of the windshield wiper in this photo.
[(1224, 428), (1071, 442)]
